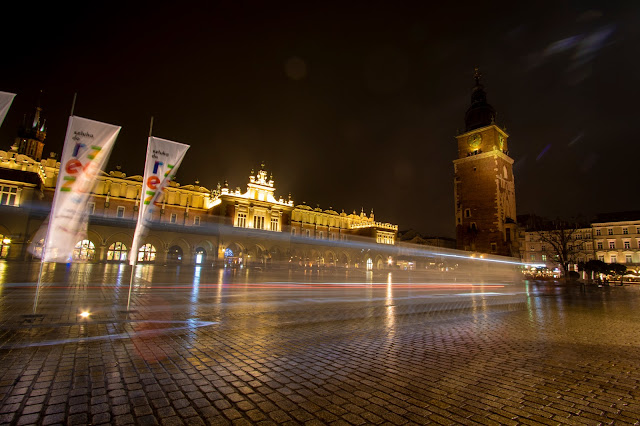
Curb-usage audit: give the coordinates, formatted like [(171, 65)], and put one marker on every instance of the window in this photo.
[(147, 253), (533, 257), (8, 195), (173, 218), (196, 221), (638, 230), (242, 220), (578, 236), (494, 247), (544, 257), (598, 232), (5, 243), (613, 258), (544, 248), (610, 231), (120, 212), (308, 233), (274, 223), (625, 231), (467, 212), (599, 245), (258, 222), (84, 250), (601, 258), (91, 208), (612, 244), (627, 244), (320, 235), (628, 259), (117, 252), (293, 231)]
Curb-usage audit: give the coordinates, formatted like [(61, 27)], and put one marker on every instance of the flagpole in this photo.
[(44, 241), (134, 249)]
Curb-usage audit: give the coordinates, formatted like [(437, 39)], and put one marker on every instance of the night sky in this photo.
[(350, 104)]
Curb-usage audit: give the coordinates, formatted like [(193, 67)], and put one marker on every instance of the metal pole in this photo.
[(44, 242)]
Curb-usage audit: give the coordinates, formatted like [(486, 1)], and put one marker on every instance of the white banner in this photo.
[(5, 102), (86, 149), (163, 159)]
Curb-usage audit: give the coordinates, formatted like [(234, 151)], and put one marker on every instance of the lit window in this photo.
[(5, 243), (274, 223), (173, 218), (85, 250), (120, 212), (242, 220), (258, 222), (533, 257), (8, 195), (544, 257), (117, 252), (147, 253)]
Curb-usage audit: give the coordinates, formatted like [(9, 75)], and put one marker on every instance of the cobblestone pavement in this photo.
[(226, 347)]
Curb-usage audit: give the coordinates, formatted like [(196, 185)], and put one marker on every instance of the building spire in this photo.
[(477, 76), (480, 113)]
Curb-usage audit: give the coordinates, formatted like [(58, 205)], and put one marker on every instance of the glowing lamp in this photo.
[(6, 241), (85, 314)]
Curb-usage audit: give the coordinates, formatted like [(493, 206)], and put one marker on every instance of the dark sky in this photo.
[(350, 104)]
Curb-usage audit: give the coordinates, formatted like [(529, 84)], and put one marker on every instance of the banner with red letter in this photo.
[(5, 102), (86, 149), (163, 159)]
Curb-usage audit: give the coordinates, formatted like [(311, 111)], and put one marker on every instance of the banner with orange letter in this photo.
[(163, 159), (5, 102), (86, 149)]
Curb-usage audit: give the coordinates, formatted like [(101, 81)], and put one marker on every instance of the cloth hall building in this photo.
[(194, 225)]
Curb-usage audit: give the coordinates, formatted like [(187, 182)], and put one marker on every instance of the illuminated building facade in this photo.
[(484, 189), (611, 238), (194, 225)]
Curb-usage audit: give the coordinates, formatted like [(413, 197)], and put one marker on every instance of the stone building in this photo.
[(194, 225), (609, 237), (484, 190)]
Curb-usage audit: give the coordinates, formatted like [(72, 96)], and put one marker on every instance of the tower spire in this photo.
[(480, 113)]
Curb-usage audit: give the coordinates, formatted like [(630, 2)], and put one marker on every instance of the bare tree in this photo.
[(559, 235)]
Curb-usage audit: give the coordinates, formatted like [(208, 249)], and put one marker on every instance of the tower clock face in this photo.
[(474, 141)]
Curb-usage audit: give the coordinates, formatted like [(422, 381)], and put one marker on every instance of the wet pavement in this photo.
[(223, 346)]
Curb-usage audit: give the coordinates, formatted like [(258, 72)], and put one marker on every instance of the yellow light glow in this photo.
[(85, 314), (6, 241)]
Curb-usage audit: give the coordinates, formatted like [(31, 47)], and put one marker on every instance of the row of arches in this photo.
[(85, 251), (236, 253)]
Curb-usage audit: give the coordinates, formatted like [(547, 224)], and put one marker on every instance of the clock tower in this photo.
[(484, 190)]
